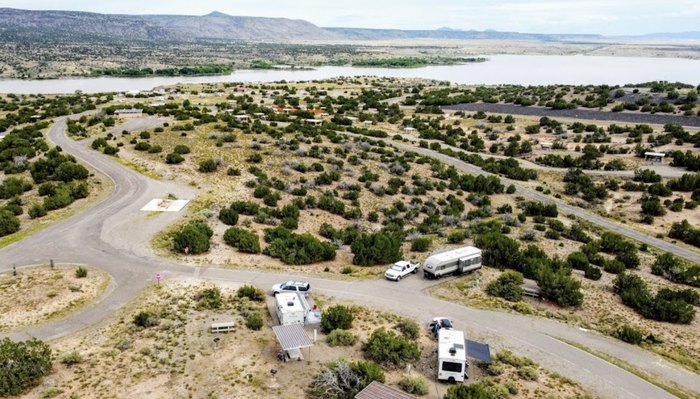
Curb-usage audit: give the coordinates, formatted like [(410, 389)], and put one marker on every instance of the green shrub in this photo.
[(209, 298), (299, 249), (244, 240), (376, 248), (193, 238), (81, 272), (614, 266), (8, 223), (341, 338), (208, 165), (37, 211), (181, 149), (336, 317), (251, 292), (577, 260), (228, 216), (71, 358), (146, 318), (414, 385), (23, 365), (630, 334), (528, 373), (421, 244), (593, 273), (409, 328), (254, 321), (389, 348), (367, 371), (507, 286), (174, 158)]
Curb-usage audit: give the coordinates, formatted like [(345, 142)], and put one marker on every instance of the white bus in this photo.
[(452, 355)]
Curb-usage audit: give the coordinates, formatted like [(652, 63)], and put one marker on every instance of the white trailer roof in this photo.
[(448, 339), (289, 302), (453, 254)]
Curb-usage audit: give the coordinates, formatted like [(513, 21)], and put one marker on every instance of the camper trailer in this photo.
[(291, 308), (452, 356), (453, 261)]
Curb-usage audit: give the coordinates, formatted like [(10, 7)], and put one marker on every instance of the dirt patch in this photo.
[(41, 293)]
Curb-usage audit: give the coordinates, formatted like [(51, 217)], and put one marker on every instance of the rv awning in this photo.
[(292, 336), (478, 351)]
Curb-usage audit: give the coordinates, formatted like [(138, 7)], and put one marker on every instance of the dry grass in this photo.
[(40, 293)]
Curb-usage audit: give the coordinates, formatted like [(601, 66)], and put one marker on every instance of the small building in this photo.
[(367, 123), (128, 112), (654, 157), (315, 122), (409, 130), (377, 390), (545, 145)]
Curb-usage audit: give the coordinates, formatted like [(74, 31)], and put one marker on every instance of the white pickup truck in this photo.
[(401, 269)]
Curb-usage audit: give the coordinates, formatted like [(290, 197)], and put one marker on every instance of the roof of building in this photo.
[(292, 336), (377, 390)]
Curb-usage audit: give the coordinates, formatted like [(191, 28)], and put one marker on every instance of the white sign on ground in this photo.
[(164, 205)]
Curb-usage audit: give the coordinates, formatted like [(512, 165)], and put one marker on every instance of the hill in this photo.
[(159, 27)]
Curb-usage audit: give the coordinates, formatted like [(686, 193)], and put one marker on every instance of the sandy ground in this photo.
[(178, 358), (40, 293)]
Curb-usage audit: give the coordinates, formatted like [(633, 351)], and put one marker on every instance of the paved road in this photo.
[(114, 236), (665, 171), (579, 113), (563, 206)]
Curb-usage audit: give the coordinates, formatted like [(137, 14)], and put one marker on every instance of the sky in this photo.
[(608, 17)]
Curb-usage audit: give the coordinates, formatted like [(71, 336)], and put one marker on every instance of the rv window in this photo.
[(452, 366), (477, 260)]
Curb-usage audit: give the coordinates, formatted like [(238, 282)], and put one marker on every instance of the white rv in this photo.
[(453, 261), (452, 355), (291, 308)]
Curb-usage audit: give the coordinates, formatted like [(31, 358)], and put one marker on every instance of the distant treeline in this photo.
[(211, 69), (413, 62)]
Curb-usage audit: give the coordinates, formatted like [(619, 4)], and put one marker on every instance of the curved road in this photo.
[(114, 236)]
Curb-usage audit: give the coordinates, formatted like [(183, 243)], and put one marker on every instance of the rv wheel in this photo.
[(451, 380), (398, 278)]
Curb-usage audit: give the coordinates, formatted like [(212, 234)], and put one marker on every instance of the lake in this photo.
[(499, 69)]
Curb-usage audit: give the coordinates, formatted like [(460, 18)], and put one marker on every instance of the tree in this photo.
[(343, 380), (499, 250), (377, 248), (242, 239), (507, 286), (22, 364), (421, 244), (336, 317), (193, 238), (390, 348), (559, 286), (8, 223)]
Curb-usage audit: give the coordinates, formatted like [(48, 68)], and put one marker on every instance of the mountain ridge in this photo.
[(217, 25)]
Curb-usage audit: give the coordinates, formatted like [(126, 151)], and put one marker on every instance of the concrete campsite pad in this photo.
[(164, 205)]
